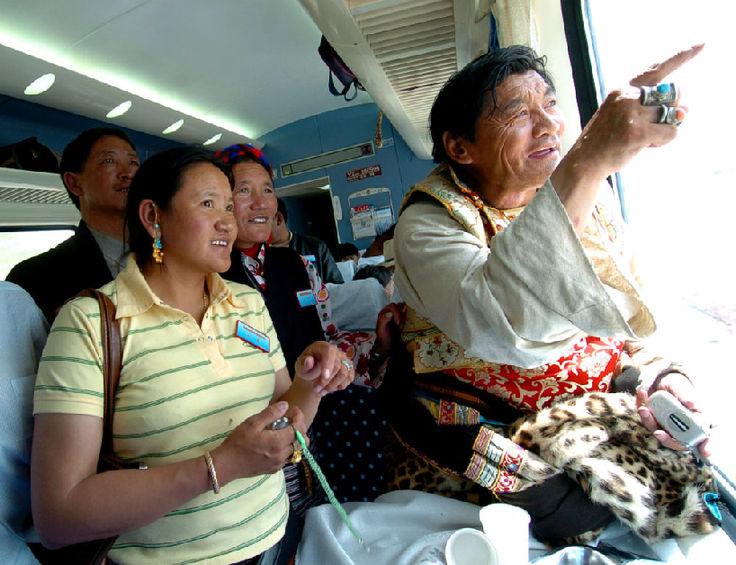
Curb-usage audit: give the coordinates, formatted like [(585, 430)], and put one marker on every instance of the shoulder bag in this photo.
[(94, 552)]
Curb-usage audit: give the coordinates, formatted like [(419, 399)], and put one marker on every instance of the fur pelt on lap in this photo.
[(599, 441)]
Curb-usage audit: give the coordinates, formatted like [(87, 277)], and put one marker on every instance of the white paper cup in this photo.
[(470, 547), (507, 527)]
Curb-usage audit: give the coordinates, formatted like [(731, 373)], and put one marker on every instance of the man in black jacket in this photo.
[(314, 249), (96, 169)]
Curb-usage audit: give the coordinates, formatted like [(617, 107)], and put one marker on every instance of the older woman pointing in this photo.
[(520, 290)]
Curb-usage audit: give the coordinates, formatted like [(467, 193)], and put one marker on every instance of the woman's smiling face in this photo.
[(255, 203), (198, 228)]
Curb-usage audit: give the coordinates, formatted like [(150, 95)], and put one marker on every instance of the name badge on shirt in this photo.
[(310, 258), (251, 335), (306, 298)]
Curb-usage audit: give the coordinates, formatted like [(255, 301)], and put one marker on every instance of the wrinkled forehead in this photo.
[(250, 171), (515, 89)]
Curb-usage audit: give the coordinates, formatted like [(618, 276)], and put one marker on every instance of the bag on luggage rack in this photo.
[(340, 70), (29, 155)]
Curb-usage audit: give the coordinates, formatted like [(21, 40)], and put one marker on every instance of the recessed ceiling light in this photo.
[(213, 139), (173, 127), (120, 109), (41, 84), (30, 45)]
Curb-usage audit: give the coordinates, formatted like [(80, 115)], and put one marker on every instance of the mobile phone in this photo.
[(686, 426)]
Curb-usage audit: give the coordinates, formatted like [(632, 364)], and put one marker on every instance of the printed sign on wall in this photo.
[(363, 173)]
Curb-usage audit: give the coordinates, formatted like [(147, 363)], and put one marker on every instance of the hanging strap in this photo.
[(344, 93), (112, 364)]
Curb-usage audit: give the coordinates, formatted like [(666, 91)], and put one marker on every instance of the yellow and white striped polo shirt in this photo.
[(183, 388)]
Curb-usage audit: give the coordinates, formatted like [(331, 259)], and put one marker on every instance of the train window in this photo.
[(19, 245), (680, 199)]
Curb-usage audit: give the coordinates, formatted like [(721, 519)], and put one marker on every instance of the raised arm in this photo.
[(616, 133)]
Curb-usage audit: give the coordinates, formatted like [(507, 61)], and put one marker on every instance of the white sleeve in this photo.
[(525, 301)]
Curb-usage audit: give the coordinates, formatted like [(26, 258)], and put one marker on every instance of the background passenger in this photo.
[(383, 275), (190, 390), (278, 273), (299, 294), (348, 252), (22, 336), (519, 292), (307, 246), (347, 260), (96, 168)]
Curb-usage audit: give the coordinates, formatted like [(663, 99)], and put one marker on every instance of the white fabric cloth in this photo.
[(356, 304), (412, 527), (347, 269), (22, 337), (375, 260), (524, 301)]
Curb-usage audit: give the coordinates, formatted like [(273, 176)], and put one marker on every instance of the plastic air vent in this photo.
[(327, 159), (34, 196)]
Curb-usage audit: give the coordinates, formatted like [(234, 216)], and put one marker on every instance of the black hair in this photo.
[(382, 274), (77, 152), (159, 178), (281, 208), (463, 98), (345, 250)]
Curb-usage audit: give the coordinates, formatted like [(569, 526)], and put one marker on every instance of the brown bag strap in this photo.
[(112, 363)]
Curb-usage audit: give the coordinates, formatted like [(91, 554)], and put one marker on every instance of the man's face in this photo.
[(103, 183), (517, 142)]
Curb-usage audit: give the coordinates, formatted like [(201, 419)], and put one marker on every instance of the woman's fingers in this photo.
[(659, 71)]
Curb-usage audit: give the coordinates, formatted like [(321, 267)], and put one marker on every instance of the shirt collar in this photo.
[(504, 212), (135, 296)]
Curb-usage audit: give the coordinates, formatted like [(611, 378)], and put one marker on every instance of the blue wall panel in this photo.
[(20, 119), (400, 168)]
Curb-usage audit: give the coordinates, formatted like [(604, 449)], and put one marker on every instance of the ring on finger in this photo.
[(347, 364), (664, 93), (670, 115), (296, 455)]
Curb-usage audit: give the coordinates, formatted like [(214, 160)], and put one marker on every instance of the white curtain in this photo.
[(515, 23)]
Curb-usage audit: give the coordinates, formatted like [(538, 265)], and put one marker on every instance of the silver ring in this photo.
[(347, 364), (668, 115), (664, 93), (281, 423)]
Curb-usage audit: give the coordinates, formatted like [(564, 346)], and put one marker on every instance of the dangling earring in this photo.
[(158, 254)]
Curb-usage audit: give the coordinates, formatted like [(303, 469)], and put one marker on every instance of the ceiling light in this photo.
[(120, 109), (213, 139), (41, 84), (30, 45), (173, 127)]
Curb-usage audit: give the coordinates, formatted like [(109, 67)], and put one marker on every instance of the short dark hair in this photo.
[(382, 274), (463, 98), (77, 152), (159, 178), (345, 250), (281, 208)]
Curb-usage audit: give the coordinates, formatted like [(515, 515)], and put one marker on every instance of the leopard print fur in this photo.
[(599, 441)]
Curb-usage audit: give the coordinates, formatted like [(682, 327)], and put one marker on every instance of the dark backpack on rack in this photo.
[(29, 155), (339, 70)]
